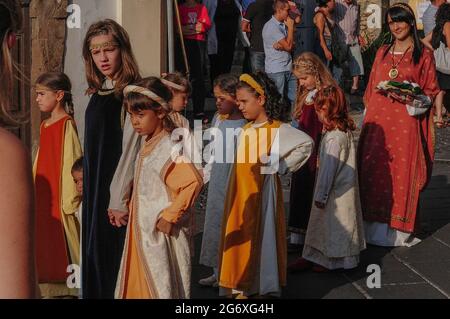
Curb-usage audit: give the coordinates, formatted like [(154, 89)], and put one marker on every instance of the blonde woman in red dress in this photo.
[(396, 149)]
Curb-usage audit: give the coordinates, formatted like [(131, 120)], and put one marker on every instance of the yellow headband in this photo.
[(103, 45), (146, 92), (251, 81), (404, 6)]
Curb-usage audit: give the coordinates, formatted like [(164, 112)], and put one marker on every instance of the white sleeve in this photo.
[(120, 189)]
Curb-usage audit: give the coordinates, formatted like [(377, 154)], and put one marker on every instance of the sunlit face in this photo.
[(251, 106), (225, 103), (145, 122), (179, 101), (400, 30), (107, 58), (78, 180), (47, 99), (306, 81)]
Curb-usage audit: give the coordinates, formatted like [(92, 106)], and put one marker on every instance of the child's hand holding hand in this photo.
[(319, 205), (118, 218), (164, 226)]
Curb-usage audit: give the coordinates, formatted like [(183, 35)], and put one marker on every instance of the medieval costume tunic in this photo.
[(253, 245), (302, 181), (155, 265), (335, 234), (57, 230), (122, 183), (396, 151), (102, 242), (219, 167)]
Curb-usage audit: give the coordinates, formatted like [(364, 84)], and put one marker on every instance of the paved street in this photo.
[(422, 271)]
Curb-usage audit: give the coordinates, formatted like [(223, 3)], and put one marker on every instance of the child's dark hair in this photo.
[(332, 101), (58, 81), (442, 17), (227, 83), (322, 3), (277, 107), (401, 12), (135, 102), (180, 79), (78, 165)]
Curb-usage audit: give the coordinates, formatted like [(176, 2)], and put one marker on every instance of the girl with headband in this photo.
[(181, 88), (110, 66), (156, 261), (253, 252)]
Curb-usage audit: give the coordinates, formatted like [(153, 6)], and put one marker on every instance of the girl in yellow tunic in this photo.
[(253, 243), (57, 229), (156, 261)]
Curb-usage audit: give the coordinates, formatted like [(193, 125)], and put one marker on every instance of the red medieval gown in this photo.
[(396, 150)]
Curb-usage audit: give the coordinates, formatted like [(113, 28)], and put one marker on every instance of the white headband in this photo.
[(173, 85), (138, 89)]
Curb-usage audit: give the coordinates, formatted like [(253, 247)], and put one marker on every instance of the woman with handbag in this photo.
[(323, 20), (438, 41)]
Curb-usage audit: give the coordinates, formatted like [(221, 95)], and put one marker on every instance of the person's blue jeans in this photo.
[(257, 60), (286, 83)]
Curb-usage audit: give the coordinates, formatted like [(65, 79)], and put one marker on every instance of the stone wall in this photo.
[(48, 33)]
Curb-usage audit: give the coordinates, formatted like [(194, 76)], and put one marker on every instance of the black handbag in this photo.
[(339, 49)]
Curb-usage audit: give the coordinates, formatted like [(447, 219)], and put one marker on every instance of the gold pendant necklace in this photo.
[(393, 72)]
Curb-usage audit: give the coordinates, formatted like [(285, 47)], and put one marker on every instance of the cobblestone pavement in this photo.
[(422, 271)]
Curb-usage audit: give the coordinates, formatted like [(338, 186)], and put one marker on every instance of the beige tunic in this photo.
[(122, 182), (336, 232), (155, 265)]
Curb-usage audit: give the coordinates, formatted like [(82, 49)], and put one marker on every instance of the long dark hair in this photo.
[(277, 107), (401, 12), (442, 17)]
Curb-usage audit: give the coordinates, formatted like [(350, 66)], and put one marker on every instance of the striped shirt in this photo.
[(429, 19), (347, 17)]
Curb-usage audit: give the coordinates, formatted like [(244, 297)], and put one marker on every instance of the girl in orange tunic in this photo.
[(57, 230), (252, 255), (396, 149)]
